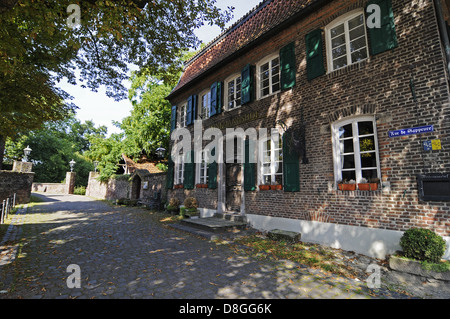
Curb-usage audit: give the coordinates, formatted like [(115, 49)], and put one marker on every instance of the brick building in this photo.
[(352, 100)]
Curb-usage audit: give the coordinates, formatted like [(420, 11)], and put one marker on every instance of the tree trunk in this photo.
[(2, 149)]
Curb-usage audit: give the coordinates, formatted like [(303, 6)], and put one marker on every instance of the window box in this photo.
[(179, 186), (364, 186), (264, 187), (276, 187), (347, 186), (201, 185)]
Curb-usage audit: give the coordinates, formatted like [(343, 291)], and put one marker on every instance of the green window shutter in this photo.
[(247, 85), (219, 97), (314, 54), (189, 171), (384, 38), (213, 100), (173, 120), (291, 170), (212, 172), (194, 107), (169, 176), (249, 170), (189, 111), (288, 70)]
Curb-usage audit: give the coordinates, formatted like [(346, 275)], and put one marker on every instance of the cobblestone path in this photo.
[(125, 253)]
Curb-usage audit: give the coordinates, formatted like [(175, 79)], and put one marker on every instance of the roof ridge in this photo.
[(230, 29)]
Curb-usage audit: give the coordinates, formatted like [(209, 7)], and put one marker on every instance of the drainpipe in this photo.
[(443, 31)]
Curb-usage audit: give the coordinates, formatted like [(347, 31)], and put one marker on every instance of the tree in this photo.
[(54, 147), (38, 49)]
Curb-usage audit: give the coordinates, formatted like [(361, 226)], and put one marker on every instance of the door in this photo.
[(233, 187)]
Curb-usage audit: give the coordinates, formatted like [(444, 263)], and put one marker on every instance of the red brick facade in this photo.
[(378, 86)]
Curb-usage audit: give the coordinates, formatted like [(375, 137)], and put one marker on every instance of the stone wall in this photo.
[(16, 182), (57, 188)]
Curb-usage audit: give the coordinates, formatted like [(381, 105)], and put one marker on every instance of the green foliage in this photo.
[(80, 190), (422, 244)]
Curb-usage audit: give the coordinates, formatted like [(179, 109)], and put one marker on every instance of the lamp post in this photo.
[(95, 166), (160, 151), (72, 164), (26, 151)]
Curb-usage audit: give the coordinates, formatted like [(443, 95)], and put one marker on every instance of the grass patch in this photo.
[(313, 256)]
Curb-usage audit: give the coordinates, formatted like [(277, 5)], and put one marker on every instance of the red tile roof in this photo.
[(263, 18)]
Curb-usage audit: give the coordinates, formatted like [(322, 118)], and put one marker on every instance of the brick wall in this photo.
[(378, 86), (16, 182)]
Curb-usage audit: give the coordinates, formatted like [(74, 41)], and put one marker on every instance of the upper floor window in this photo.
[(346, 40), (233, 91), (355, 149), (268, 72), (204, 106), (182, 116)]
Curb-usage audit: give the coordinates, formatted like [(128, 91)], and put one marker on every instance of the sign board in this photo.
[(432, 145), (411, 131)]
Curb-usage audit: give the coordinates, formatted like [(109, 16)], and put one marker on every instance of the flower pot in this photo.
[(373, 186), (264, 187), (275, 187), (348, 187), (364, 186)]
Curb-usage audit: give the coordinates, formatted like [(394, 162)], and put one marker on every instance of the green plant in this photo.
[(190, 202), (80, 190), (422, 244)]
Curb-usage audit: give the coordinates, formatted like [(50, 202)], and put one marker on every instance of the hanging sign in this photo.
[(411, 131)]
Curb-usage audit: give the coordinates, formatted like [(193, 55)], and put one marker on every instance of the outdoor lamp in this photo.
[(26, 152), (160, 152), (72, 164), (95, 165)]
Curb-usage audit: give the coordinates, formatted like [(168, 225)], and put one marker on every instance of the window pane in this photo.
[(338, 41), (267, 180), (337, 30), (359, 55), (367, 144), (346, 131), (348, 161), (357, 44), (348, 175), (346, 146), (369, 173), (340, 63), (355, 22), (279, 179), (368, 160), (339, 51), (365, 128), (357, 33)]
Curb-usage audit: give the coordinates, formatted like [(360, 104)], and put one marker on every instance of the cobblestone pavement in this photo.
[(124, 253)]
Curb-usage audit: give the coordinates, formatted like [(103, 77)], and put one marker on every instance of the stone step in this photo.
[(214, 224), (289, 236), (233, 216)]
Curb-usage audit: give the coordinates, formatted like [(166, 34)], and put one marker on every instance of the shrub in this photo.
[(190, 202), (79, 190), (174, 202), (422, 244)]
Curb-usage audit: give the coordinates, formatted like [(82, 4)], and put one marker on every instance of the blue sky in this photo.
[(103, 110)]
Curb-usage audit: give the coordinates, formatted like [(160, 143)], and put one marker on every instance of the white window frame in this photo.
[(179, 169), (337, 154), (275, 152), (202, 168), (344, 20), (182, 115), (226, 92), (204, 109), (269, 60)]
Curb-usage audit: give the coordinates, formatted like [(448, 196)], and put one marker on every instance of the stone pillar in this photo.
[(22, 167), (70, 182)]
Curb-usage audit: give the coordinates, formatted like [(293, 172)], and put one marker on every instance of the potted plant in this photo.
[(264, 187), (363, 185), (190, 207), (373, 182), (174, 206), (347, 185)]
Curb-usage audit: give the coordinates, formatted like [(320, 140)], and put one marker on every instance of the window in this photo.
[(271, 161), (202, 170), (269, 76), (346, 40), (179, 169), (182, 117), (204, 107), (356, 149), (233, 91)]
